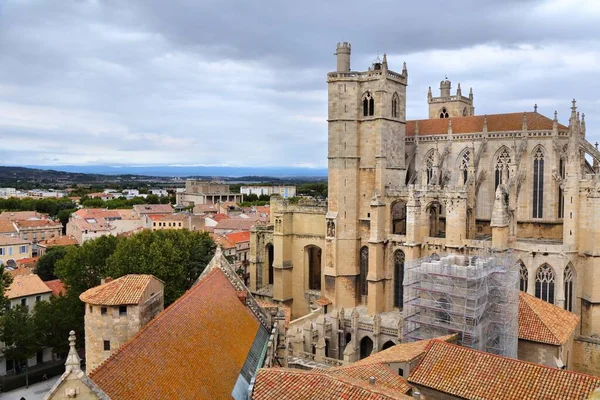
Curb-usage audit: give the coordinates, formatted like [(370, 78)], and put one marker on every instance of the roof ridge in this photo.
[(148, 325)]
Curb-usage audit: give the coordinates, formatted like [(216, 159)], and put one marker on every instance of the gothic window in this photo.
[(544, 283), (398, 278), (399, 218), (501, 167), (465, 112), (523, 277), (314, 267), (444, 113), (538, 183), (463, 166), (429, 166), (395, 105), (270, 258), (368, 105), (569, 287), (364, 270), (561, 194)]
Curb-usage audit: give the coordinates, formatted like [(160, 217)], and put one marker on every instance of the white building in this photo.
[(284, 191)]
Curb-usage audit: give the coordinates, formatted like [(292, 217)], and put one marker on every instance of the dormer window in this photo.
[(368, 105), (444, 113)]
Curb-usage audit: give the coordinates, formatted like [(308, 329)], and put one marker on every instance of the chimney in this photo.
[(106, 280), (372, 380)]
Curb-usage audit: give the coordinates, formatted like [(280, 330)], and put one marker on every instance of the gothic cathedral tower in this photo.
[(367, 123)]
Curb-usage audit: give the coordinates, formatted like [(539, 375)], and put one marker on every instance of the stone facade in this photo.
[(107, 327), (401, 190)]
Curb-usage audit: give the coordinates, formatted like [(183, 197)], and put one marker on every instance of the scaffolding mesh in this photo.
[(475, 296)]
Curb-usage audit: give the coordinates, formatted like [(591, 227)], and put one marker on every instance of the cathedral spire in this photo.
[(471, 93), (458, 90), (384, 63), (429, 95), (404, 70)]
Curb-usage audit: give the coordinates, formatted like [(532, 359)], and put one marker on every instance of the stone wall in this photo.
[(586, 355), (538, 353)]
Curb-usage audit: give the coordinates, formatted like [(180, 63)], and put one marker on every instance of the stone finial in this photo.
[(404, 70), (485, 125), (471, 93), (524, 127), (416, 128), (535, 107), (555, 116), (449, 126), (458, 90), (429, 95), (500, 217), (73, 362), (218, 252)]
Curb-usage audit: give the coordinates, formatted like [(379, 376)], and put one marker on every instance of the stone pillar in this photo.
[(500, 219), (413, 218), (376, 274), (456, 219), (320, 346), (334, 342), (559, 288), (307, 336), (376, 333)]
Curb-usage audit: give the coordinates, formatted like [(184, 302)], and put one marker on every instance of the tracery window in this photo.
[(538, 183), (523, 277), (569, 287), (501, 167), (429, 166), (398, 278), (368, 105), (395, 105), (544, 283), (444, 113), (464, 163), (364, 270)]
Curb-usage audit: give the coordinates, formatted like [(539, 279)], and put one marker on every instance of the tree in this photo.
[(177, 257), (5, 281), (54, 319), (83, 267), (152, 199), (45, 265), (17, 331)]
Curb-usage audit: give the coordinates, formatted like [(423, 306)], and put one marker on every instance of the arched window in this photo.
[(387, 345), (544, 283), (437, 227), (569, 287), (395, 101), (501, 167), (465, 113), (444, 113), (364, 270), (270, 262), (561, 194), (429, 166), (366, 347), (368, 105), (399, 218), (398, 278), (313, 254), (463, 165), (523, 277), (538, 183)]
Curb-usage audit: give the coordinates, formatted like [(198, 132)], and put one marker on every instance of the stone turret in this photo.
[(343, 57), (445, 87), (500, 219), (449, 106)]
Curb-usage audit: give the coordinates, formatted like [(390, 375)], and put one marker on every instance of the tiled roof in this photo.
[(27, 262), (471, 374), (20, 270), (238, 237), (195, 349), (218, 217), (402, 352), (37, 223), (20, 215), (236, 224), (540, 321), (127, 289), (56, 286), (265, 304), (9, 241), (294, 384), (495, 123), (222, 241), (7, 226), (58, 241), (153, 209), (26, 285)]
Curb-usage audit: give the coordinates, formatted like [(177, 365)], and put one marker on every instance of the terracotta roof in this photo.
[(58, 241), (218, 217), (323, 301), (26, 285), (127, 289), (142, 209), (195, 349), (27, 262), (402, 352), (205, 208), (35, 223), (471, 374), (238, 237), (495, 123), (222, 241), (56, 286), (7, 226), (540, 321), (20, 270), (351, 383), (9, 241), (269, 304), (20, 215), (236, 224)]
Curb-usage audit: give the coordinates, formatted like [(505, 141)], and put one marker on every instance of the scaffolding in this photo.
[(475, 296)]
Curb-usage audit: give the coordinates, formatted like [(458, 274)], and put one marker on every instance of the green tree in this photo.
[(17, 331), (177, 257), (93, 203), (54, 319), (64, 215), (83, 267), (152, 199), (45, 265), (5, 281)]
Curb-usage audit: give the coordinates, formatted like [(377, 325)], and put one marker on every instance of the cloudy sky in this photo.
[(197, 82)]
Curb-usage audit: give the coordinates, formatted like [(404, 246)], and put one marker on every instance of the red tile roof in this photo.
[(20, 215), (238, 237), (471, 374), (56, 286), (540, 321), (58, 241), (495, 123), (195, 349), (222, 241), (7, 226), (237, 224), (351, 383), (218, 217), (142, 209), (403, 352), (26, 285), (127, 289), (36, 223)]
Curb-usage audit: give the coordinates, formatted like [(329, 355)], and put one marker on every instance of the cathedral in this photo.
[(456, 183)]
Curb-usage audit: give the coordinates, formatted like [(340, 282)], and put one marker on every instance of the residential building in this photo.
[(206, 192), (8, 192), (91, 223), (241, 240), (142, 210), (238, 224), (157, 222), (102, 196), (13, 249), (38, 230), (58, 241), (159, 192), (284, 191), (116, 310), (8, 228)]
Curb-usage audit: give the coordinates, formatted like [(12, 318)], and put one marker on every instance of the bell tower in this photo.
[(449, 106), (366, 133)]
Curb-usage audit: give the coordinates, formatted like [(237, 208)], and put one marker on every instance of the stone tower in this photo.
[(448, 106), (115, 311), (366, 115)]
